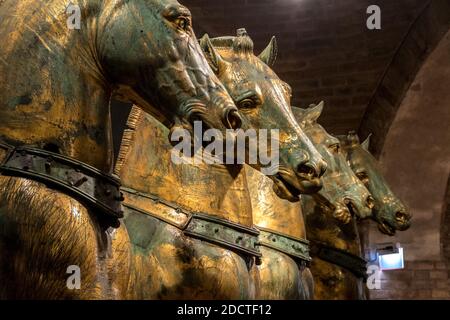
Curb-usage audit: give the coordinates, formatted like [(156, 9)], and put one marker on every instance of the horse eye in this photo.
[(363, 177), (335, 148), (182, 23), (246, 104)]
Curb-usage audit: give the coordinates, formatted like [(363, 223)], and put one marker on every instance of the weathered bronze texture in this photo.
[(55, 89), (388, 211), (330, 216), (356, 264)]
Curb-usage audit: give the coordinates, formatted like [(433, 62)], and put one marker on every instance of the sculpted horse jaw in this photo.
[(147, 53)]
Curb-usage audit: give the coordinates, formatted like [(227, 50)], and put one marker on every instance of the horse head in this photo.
[(343, 193), (389, 211), (264, 102), (148, 52)]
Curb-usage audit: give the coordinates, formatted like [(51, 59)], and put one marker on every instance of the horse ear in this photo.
[(213, 57), (313, 113), (298, 113), (352, 138), (269, 54), (366, 143)]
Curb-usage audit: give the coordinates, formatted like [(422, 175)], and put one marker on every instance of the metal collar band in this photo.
[(294, 247), (344, 259), (215, 230), (79, 180)]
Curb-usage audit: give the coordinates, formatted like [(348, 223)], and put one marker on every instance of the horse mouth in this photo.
[(386, 228), (402, 220), (346, 213), (308, 184), (284, 189), (351, 207)]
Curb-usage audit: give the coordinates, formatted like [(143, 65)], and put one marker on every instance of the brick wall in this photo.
[(419, 280), (445, 226)]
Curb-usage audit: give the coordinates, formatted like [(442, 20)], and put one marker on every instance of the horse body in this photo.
[(330, 218), (168, 263), (55, 91)]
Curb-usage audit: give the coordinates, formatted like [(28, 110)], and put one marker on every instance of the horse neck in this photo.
[(271, 212), (146, 166), (52, 93), (322, 227)]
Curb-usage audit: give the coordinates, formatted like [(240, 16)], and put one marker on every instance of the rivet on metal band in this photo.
[(212, 229), (224, 233), (294, 247)]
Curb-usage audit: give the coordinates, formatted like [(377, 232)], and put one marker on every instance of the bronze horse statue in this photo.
[(330, 217), (281, 271), (58, 197), (191, 225)]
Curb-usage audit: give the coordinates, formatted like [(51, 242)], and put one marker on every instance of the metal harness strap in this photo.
[(75, 178), (199, 225), (296, 248), (344, 259)]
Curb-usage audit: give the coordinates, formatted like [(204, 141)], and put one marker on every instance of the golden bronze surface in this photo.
[(279, 276)]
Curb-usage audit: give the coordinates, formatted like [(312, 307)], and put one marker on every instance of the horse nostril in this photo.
[(401, 216), (232, 119), (370, 202), (306, 168), (322, 168)]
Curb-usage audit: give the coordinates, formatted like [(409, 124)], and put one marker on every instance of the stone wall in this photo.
[(416, 163), (421, 279)]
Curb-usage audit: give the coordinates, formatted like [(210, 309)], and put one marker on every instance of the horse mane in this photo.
[(128, 138), (242, 44), (350, 140)]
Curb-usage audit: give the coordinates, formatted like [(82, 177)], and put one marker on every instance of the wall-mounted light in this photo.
[(390, 256)]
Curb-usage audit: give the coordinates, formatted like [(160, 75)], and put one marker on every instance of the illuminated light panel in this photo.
[(391, 261)]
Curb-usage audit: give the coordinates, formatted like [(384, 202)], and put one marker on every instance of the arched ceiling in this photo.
[(416, 156)]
